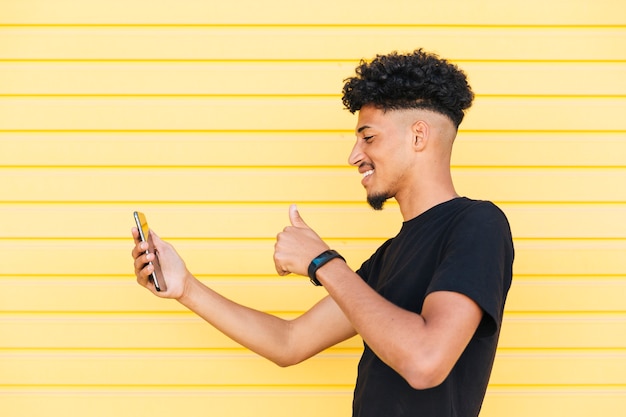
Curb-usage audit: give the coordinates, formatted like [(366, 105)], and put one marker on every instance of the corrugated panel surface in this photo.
[(213, 117)]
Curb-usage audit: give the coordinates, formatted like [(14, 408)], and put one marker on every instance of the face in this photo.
[(382, 153)]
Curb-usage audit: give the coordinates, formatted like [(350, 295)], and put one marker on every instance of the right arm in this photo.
[(284, 342)]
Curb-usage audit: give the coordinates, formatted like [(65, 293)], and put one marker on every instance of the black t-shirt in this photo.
[(461, 245)]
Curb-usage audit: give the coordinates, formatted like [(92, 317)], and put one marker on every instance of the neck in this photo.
[(426, 196)]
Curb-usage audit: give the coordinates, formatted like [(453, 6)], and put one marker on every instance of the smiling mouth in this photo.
[(368, 173)]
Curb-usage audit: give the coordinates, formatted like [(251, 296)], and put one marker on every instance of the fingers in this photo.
[(280, 270), (279, 262), (141, 259), (296, 245), (142, 266), (140, 247), (143, 273), (135, 232)]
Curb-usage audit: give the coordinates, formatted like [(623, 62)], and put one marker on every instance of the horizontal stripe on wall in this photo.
[(297, 185), (587, 295), (205, 368), (326, 12), (290, 43), (223, 257), (290, 113), (202, 368), (554, 402), (162, 402), (265, 220), (310, 402), (296, 149), (159, 331), (291, 78)]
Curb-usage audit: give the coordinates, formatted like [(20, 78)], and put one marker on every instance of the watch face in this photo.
[(320, 261)]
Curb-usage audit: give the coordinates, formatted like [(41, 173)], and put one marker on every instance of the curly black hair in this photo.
[(405, 81)]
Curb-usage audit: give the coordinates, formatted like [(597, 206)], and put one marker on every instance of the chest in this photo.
[(403, 271)]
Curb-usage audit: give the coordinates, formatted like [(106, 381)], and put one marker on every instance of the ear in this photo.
[(420, 131)]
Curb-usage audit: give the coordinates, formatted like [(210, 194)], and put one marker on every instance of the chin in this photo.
[(377, 201)]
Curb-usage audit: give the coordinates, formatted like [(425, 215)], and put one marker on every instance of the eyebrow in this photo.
[(362, 128)]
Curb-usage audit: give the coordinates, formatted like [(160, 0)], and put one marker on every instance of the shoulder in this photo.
[(485, 207), (481, 213), (479, 226)]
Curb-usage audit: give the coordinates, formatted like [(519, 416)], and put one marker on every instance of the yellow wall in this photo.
[(212, 117)]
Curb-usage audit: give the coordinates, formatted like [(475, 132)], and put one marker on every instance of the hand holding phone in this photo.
[(144, 235)]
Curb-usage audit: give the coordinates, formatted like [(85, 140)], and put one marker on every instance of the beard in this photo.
[(377, 201)]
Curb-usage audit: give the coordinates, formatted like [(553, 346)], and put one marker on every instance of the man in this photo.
[(429, 302)]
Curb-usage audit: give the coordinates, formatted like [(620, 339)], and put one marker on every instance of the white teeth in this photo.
[(368, 173)]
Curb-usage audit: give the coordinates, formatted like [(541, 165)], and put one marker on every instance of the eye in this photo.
[(367, 138)]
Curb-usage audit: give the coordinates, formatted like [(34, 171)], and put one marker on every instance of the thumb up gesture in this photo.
[(296, 246)]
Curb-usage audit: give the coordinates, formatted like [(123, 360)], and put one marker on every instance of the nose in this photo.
[(356, 156)]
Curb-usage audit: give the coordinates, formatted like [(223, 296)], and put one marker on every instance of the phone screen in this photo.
[(144, 234)]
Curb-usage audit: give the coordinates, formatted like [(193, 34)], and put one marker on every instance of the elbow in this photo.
[(286, 360), (424, 374), (423, 381)]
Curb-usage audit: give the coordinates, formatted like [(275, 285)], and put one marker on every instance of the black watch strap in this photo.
[(321, 260)]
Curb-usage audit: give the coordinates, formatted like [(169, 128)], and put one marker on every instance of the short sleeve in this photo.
[(476, 261)]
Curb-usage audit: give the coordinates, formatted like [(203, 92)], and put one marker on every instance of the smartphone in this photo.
[(144, 234)]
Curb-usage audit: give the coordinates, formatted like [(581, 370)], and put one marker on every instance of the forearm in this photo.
[(265, 334)]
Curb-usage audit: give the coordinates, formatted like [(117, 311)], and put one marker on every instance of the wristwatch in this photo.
[(321, 260)]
